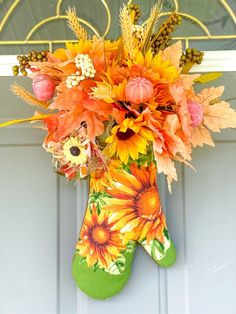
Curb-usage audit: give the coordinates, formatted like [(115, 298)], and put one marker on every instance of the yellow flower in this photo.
[(82, 47), (100, 242), (135, 204), (129, 139), (99, 180), (74, 152), (157, 68)]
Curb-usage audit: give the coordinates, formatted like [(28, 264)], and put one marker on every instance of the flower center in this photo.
[(148, 203), (122, 136), (75, 151), (100, 234)]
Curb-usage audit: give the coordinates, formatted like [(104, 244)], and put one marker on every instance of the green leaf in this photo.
[(120, 263), (102, 202), (157, 250), (95, 267), (127, 167), (82, 260), (130, 247), (166, 234), (208, 77), (158, 245)]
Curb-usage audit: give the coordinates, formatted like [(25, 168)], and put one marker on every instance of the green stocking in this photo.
[(123, 210)]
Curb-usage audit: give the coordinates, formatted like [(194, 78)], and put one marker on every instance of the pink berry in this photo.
[(43, 87)]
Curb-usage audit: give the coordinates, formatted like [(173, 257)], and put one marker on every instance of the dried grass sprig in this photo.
[(127, 30), (74, 24), (103, 92), (151, 24), (27, 97)]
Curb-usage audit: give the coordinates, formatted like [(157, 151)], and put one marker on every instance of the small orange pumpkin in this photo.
[(139, 90)]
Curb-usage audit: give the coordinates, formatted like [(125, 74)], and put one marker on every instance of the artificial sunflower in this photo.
[(100, 242), (135, 204), (71, 156), (74, 151), (129, 139)]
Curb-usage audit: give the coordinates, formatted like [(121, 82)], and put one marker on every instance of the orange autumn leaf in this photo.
[(76, 107), (59, 55), (187, 81), (73, 97), (68, 122), (182, 109), (173, 54), (209, 94), (215, 116), (166, 165), (200, 136), (119, 115), (102, 108), (52, 123), (219, 116), (174, 144), (58, 70), (119, 91)]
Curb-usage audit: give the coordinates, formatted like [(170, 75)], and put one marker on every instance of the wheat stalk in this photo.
[(74, 24), (26, 96), (127, 30), (103, 92), (151, 24)]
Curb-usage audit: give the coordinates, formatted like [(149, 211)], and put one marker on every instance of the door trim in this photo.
[(221, 61)]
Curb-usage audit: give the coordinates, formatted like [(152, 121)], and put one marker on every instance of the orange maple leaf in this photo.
[(75, 107)]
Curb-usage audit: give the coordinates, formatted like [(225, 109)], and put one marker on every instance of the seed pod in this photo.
[(191, 55), (163, 37)]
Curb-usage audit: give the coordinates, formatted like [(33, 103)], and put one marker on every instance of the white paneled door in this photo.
[(40, 217)]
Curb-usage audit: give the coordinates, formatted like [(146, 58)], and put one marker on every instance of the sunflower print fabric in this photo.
[(123, 209)]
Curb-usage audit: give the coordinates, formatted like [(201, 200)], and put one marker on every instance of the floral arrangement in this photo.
[(114, 111), (114, 98)]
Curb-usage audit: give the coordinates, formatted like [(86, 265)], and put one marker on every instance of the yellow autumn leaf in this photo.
[(34, 118), (219, 116), (208, 77)]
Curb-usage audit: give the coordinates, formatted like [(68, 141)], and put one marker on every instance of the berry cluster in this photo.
[(162, 39), (84, 63), (24, 60), (73, 80), (138, 32), (191, 55), (137, 12)]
